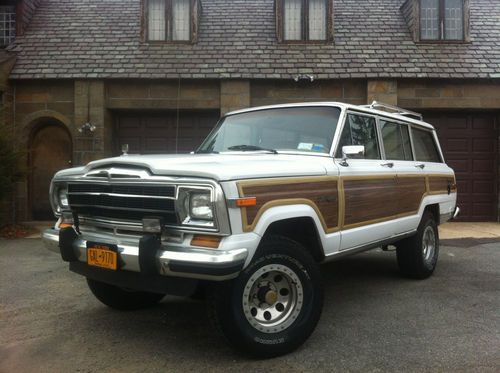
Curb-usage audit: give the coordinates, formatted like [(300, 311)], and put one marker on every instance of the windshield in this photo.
[(304, 129)]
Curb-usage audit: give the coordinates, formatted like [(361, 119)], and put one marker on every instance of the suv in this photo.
[(270, 194)]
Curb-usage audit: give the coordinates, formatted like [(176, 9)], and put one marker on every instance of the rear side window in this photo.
[(360, 130), (425, 147), (396, 139)]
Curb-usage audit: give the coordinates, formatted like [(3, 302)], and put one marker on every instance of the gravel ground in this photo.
[(373, 320)]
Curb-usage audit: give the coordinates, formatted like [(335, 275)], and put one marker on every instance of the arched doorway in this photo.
[(50, 151)]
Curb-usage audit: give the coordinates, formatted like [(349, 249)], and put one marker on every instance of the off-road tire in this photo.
[(227, 300), (413, 259), (122, 299)]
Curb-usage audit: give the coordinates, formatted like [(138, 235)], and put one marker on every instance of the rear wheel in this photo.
[(417, 256), (123, 299), (275, 303)]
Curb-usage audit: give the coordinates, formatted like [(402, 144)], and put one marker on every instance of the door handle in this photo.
[(420, 165), (388, 164)]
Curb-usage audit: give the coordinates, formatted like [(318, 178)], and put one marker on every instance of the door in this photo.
[(470, 146), (410, 180), (368, 184), (51, 151), (162, 133)]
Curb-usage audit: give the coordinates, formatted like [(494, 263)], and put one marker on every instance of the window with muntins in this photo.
[(304, 20), (7, 25), (170, 20), (442, 20)]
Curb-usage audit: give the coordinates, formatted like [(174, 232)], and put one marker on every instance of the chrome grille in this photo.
[(128, 202)]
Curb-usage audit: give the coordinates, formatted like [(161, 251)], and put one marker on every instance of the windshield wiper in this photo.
[(245, 148), (206, 151)]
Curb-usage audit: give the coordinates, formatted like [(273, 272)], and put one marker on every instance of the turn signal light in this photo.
[(244, 202), (206, 241)]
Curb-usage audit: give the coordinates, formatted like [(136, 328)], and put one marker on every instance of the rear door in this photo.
[(410, 181)]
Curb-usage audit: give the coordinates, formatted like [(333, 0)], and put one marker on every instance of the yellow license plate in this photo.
[(102, 256)]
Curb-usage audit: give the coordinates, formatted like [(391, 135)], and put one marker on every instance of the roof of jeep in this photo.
[(341, 105)]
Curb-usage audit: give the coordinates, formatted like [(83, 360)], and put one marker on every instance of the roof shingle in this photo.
[(237, 39)]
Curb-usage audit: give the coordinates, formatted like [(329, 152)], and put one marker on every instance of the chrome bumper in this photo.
[(175, 260)]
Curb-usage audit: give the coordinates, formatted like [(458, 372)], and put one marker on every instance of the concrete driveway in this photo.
[(373, 320)]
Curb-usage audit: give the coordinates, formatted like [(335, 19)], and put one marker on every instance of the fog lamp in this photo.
[(152, 225)]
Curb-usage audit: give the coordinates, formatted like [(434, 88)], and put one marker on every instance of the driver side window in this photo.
[(360, 130)]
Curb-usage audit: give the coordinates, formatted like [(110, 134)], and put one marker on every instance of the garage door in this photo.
[(156, 133), (470, 146)]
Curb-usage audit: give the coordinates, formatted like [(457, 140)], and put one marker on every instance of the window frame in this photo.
[(194, 10), (280, 23), (338, 139), (15, 29), (435, 140), (381, 118), (442, 24)]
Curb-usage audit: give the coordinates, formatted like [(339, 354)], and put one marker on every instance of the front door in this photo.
[(368, 185), (50, 152)]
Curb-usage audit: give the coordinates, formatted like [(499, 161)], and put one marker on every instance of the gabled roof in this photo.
[(237, 39)]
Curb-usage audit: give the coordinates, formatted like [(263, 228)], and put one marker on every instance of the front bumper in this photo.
[(165, 260)]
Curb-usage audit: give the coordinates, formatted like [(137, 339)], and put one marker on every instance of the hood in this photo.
[(220, 167)]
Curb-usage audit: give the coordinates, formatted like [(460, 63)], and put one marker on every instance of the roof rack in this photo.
[(395, 109)]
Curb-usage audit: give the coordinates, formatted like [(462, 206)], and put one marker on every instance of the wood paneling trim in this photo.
[(321, 193), (401, 198), (347, 202), (438, 184)]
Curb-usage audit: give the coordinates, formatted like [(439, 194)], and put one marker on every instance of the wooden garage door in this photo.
[(470, 146), (156, 133)]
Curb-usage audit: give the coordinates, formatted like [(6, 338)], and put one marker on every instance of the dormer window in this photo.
[(437, 20), (304, 20), (171, 20), (7, 25), (441, 19)]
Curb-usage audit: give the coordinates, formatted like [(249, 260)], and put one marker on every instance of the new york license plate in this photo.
[(102, 255)]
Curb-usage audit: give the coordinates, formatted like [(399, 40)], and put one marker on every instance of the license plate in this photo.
[(103, 256)]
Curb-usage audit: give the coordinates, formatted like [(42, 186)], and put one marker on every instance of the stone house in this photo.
[(157, 74)]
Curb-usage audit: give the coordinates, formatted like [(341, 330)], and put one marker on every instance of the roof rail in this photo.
[(395, 109)]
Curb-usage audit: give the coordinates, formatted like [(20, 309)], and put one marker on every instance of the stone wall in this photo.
[(166, 95), (268, 92), (438, 94)]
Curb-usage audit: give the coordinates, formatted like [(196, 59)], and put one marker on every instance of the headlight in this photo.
[(200, 206), (59, 197), (63, 198), (195, 206)]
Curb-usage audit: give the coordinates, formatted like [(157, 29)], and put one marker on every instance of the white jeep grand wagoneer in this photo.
[(270, 194)]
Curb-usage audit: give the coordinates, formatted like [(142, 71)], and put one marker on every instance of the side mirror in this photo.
[(351, 151)]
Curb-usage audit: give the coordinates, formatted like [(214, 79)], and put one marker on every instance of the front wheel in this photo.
[(122, 299), (275, 303), (417, 256)]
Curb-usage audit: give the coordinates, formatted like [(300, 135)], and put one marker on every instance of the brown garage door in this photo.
[(470, 146), (156, 133)]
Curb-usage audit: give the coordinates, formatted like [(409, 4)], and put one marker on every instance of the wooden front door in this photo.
[(50, 151)]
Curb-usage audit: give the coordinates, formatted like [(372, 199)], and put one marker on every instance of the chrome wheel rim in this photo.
[(272, 298), (428, 244)]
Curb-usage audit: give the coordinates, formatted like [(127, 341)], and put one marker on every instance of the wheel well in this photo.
[(434, 210), (302, 230)]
